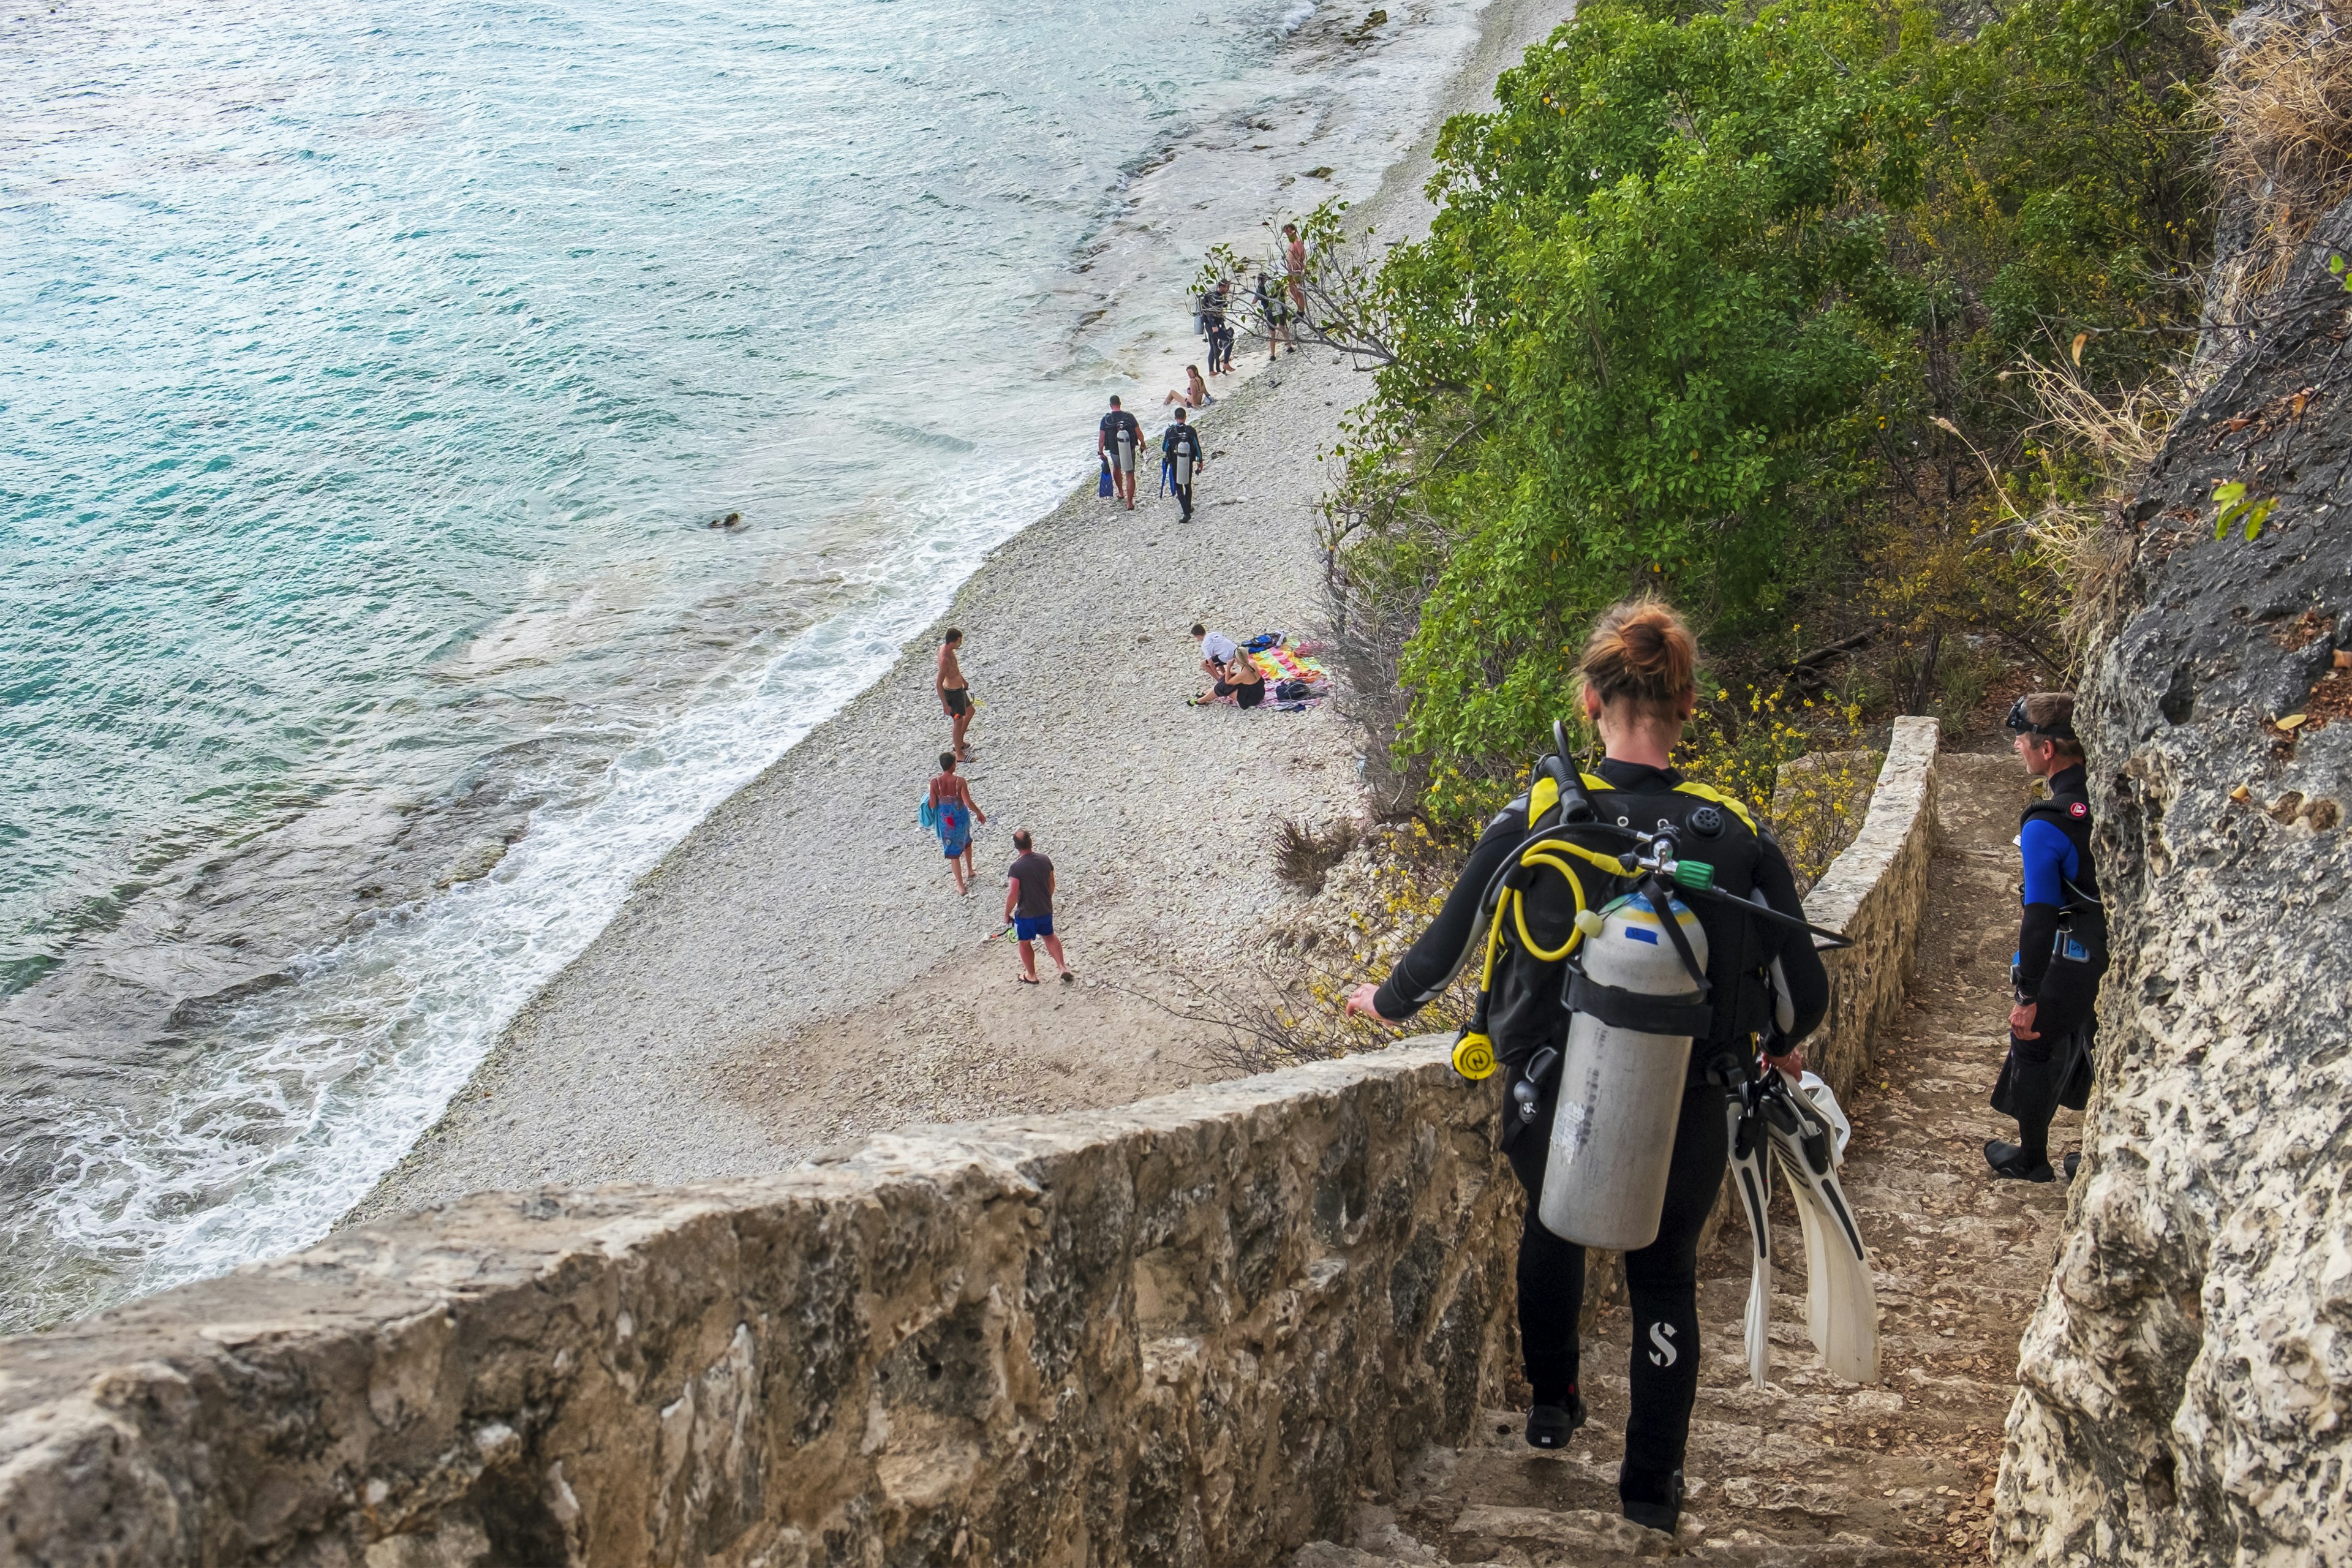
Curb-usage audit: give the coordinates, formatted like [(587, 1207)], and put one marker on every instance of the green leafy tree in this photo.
[(1723, 300)]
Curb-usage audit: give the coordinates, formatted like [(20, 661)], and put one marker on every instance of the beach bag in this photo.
[(1263, 641), (1292, 691)]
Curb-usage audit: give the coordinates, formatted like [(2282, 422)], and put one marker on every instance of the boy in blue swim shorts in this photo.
[(1029, 905)]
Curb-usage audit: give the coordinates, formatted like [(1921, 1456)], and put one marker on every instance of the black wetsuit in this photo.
[(1525, 1014), (1181, 441), (2062, 951), (1220, 335)]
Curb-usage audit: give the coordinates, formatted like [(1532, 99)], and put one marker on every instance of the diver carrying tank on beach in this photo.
[(1180, 449), (2061, 943), (1687, 915)]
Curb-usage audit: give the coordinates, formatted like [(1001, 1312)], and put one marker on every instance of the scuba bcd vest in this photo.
[(2069, 810), (1584, 835)]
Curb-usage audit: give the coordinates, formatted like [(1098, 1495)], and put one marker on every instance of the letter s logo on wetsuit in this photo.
[(1661, 1335)]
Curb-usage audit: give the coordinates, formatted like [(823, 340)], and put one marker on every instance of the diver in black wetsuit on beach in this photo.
[(1179, 449)]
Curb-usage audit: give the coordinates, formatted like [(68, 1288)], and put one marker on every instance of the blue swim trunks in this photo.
[(1026, 930)]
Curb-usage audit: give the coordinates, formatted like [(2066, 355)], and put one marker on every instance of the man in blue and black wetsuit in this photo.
[(2061, 943)]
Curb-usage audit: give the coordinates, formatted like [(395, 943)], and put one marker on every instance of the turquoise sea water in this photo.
[(367, 374)]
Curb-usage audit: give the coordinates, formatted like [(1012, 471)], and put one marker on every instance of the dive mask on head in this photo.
[(2018, 723)]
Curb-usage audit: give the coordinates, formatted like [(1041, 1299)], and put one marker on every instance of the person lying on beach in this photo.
[(1195, 394), (953, 813), (955, 696)]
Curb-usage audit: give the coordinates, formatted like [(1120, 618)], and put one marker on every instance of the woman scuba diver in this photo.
[(1637, 676)]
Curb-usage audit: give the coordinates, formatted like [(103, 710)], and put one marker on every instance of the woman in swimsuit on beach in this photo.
[(953, 814), (1243, 681), (1196, 390)]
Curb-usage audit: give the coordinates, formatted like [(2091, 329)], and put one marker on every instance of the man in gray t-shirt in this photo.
[(1029, 905), (1216, 650)]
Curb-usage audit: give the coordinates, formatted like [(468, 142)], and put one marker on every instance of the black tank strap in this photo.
[(1661, 903), (1766, 913), (1623, 1009)]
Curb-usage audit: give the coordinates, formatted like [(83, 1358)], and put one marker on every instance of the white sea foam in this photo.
[(307, 1095)]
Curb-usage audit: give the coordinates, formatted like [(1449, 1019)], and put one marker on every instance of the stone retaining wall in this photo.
[(1183, 1333), (1877, 892)]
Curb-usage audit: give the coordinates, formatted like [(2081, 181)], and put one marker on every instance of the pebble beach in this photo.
[(799, 972)]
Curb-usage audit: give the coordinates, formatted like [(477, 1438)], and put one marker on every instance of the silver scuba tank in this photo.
[(1183, 469), (1621, 1090)]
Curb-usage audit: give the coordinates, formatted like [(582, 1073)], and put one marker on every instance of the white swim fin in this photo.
[(1751, 1179), (1840, 1297)]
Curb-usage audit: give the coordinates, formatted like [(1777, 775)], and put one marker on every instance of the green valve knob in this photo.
[(1695, 874)]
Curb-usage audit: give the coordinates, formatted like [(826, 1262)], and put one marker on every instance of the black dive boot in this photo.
[(2073, 1164), (1550, 1425), (1651, 1499), (2009, 1161)]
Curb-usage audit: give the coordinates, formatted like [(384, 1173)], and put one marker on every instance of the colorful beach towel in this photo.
[(951, 820), (1285, 662)]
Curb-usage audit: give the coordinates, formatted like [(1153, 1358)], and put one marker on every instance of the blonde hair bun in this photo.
[(1641, 652)]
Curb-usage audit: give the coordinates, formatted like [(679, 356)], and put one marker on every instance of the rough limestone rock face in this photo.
[(2185, 1382), (1183, 1333)]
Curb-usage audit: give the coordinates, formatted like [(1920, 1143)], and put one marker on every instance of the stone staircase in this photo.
[(1810, 1471)]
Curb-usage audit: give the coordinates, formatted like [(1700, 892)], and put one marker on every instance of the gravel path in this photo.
[(799, 970)]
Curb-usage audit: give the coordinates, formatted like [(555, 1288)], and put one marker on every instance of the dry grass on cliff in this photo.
[(2089, 542), (2282, 99)]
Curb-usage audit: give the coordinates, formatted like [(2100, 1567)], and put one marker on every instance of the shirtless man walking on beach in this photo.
[(955, 696), (1119, 439)]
